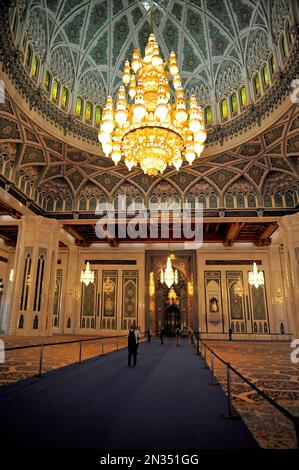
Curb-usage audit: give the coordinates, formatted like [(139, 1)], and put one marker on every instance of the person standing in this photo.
[(230, 332), (177, 335), (149, 335), (161, 334), (132, 346)]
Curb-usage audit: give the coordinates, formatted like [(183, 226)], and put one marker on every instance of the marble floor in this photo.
[(269, 366)]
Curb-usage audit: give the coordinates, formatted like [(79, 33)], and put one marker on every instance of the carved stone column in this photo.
[(34, 276)]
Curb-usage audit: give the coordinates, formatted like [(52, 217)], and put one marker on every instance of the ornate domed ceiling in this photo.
[(219, 43), (260, 177), (84, 43)]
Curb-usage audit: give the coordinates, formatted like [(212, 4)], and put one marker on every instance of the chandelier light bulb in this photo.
[(126, 74), (135, 63), (177, 163), (107, 148), (130, 164), (104, 137), (190, 155), (198, 148)]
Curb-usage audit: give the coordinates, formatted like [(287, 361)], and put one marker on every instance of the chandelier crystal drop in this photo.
[(255, 277), (87, 276), (169, 276), (145, 127)]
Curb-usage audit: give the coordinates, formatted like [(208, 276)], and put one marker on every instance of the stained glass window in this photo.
[(47, 81), (79, 106), (191, 201), (55, 90), (229, 201), (267, 200), (35, 67), (257, 84), (208, 116), (224, 109), (289, 199), (98, 115), (251, 200), (213, 201), (88, 111), (243, 96), (278, 200), (266, 75), (240, 200), (234, 103), (64, 97), (202, 200)]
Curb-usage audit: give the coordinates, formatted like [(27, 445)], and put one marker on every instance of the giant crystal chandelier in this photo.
[(145, 127)]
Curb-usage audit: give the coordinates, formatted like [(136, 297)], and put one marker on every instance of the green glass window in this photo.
[(257, 84), (34, 67), (64, 96), (88, 111), (224, 109), (208, 116), (79, 106), (47, 81), (28, 55), (234, 103), (55, 90), (98, 115), (243, 96), (266, 75)]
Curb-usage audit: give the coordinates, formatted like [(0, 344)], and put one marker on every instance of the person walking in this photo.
[(230, 332), (161, 334), (149, 335), (132, 346), (177, 335)]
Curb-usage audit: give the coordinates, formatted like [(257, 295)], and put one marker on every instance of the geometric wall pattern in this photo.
[(262, 173)]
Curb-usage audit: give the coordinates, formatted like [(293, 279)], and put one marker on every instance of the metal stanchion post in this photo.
[(102, 349), (80, 353), (230, 414), (117, 343), (40, 367), (214, 381)]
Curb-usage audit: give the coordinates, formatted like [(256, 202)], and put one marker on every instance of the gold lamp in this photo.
[(144, 127)]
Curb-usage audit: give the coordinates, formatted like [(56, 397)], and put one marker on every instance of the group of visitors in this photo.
[(134, 340)]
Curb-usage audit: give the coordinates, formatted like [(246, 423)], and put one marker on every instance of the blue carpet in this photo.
[(166, 402)]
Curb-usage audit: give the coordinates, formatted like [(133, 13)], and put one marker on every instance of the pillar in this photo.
[(73, 292), (290, 238), (32, 289)]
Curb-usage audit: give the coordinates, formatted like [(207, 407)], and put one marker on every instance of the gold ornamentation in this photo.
[(151, 131)]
